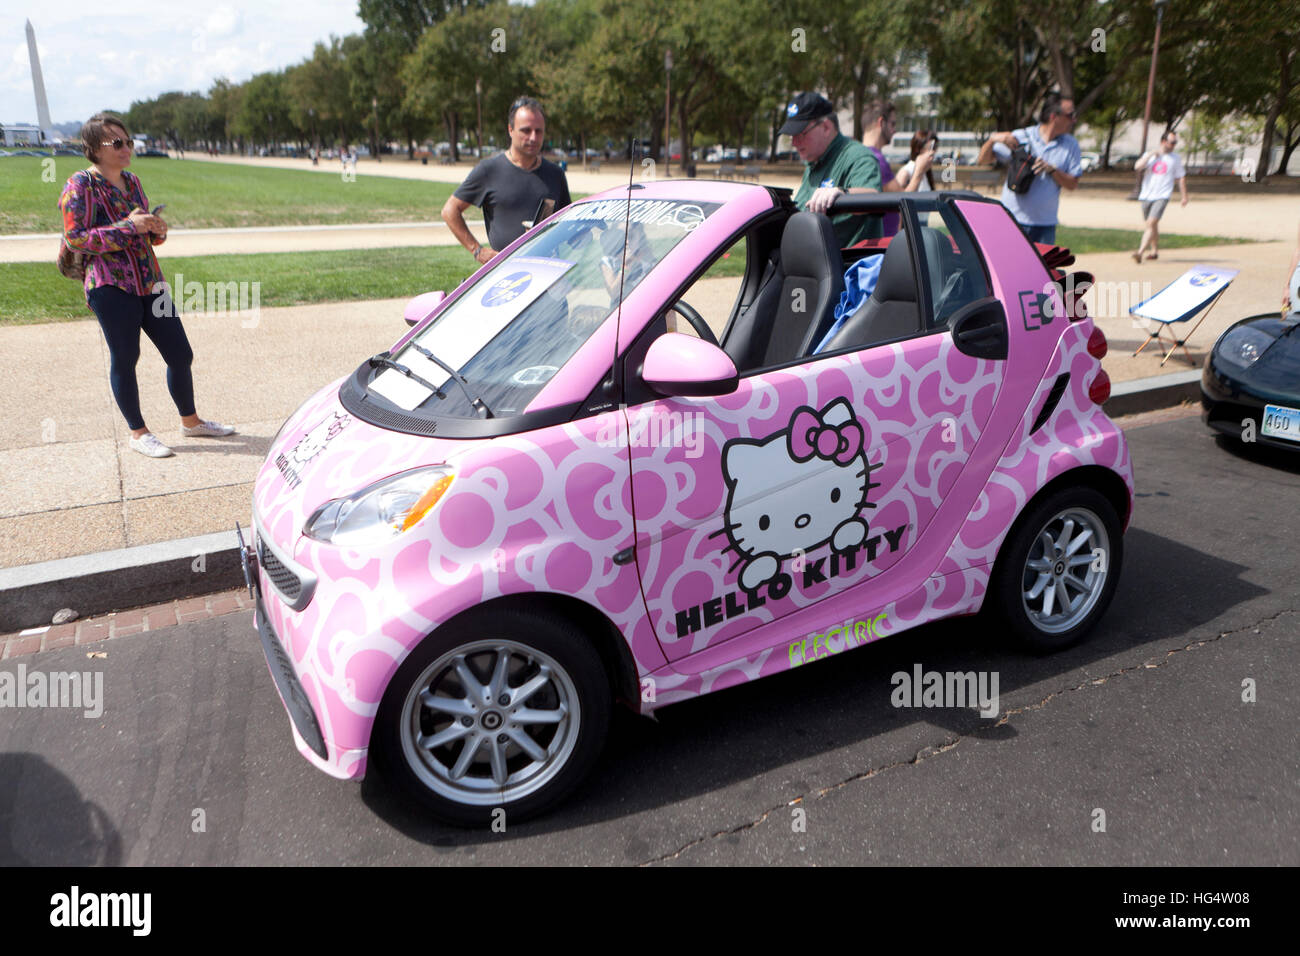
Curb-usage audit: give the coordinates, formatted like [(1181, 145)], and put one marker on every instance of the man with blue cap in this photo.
[(834, 164)]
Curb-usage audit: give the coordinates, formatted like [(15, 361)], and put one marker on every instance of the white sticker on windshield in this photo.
[(651, 212), (471, 323)]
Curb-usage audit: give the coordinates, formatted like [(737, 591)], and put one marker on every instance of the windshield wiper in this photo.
[(382, 360), (474, 401)]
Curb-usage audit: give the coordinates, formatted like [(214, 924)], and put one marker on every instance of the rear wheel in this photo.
[(1058, 569), (500, 710)]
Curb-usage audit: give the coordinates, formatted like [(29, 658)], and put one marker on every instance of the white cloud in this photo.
[(224, 21), (94, 57)]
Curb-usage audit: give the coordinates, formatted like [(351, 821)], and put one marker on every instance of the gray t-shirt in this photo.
[(509, 196)]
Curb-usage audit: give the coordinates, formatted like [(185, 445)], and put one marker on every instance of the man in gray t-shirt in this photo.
[(510, 186)]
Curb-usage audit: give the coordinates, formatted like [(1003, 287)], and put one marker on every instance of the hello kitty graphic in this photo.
[(313, 443), (796, 490)]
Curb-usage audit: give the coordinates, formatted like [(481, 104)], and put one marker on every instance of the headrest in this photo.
[(897, 282), (809, 247)]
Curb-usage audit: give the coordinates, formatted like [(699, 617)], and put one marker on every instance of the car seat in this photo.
[(891, 311), (795, 304)]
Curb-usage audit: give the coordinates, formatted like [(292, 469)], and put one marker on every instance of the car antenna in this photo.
[(622, 271)]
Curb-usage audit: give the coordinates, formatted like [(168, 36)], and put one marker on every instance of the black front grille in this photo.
[(285, 581), (286, 682)]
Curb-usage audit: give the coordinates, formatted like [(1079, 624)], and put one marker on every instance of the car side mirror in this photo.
[(422, 306), (682, 365)]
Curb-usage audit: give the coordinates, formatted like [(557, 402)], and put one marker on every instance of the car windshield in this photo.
[(510, 333)]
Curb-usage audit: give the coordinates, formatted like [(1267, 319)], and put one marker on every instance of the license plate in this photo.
[(1281, 422)]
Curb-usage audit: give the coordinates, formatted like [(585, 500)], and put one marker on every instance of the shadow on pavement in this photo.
[(1278, 459), (703, 745), (45, 822)]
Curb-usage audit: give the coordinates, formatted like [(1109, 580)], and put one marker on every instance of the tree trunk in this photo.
[(1274, 111), (1290, 140), (449, 118), (684, 125), (859, 104), (1110, 138), (777, 119)]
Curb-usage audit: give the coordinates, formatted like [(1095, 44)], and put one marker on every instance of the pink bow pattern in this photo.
[(811, 436)]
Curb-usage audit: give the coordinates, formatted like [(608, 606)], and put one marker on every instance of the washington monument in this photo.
[(38, 84)]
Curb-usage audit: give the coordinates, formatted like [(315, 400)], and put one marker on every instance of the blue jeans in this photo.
[(1045, 234), (123, 316)]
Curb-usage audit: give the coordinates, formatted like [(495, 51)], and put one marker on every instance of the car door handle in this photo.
[(980, 329)]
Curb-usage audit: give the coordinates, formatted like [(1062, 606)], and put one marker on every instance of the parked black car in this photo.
[(1250, 388)]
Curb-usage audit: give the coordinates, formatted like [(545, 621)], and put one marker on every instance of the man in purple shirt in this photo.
[(879, 123)]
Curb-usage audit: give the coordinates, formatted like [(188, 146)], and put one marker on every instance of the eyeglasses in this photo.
[(119, 143)]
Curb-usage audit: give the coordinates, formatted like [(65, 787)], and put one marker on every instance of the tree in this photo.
[(476, 48), (319, 94), (263, 112), (405, 21)]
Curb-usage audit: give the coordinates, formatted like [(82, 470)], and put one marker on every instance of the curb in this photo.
[(112, 580), (1158, 391), (154, 573)]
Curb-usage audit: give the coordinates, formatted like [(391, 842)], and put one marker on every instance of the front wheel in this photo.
[(500, 710), (1058, 569)]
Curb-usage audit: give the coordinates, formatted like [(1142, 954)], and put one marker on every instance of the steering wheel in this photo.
[(697, 321)]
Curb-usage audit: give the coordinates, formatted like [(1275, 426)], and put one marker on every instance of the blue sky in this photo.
[(97, 55)]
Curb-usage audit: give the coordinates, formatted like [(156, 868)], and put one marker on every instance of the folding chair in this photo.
[(1195, 291)]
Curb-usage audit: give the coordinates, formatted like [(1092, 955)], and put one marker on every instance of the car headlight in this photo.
[(381, 511), (1243, 345)]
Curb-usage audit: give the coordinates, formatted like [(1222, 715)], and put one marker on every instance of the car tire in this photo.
[(525, 693), (1042, 561)]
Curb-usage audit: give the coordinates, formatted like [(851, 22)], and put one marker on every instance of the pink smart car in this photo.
[(671, 440)]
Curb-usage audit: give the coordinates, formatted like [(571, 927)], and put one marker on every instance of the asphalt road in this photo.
[(191, 762)]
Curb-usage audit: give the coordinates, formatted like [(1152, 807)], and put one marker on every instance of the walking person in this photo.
[(106, 217), (1291, 291), (1160, 170)]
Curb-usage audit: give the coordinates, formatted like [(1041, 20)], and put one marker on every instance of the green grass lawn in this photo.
[(35, 292), (1080, 241), (201, 195)]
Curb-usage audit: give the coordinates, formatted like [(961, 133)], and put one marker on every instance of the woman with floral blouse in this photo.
[(106, 217)]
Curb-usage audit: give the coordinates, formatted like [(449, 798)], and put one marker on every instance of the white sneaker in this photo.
[(148, 444), (206, 429)]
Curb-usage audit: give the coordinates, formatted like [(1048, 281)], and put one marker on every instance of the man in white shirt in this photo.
[(1160, 169)]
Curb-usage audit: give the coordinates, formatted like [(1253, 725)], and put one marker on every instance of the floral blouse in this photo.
[(116, 254)]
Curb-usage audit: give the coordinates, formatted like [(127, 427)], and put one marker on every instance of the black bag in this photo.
[(1020, 171)]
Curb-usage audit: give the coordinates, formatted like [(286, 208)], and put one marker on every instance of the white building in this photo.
[(22, 134)]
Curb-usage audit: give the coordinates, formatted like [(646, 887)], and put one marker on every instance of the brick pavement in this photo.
[(94, 630)]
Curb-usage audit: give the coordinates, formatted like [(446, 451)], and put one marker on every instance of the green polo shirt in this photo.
[(849, 165)]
